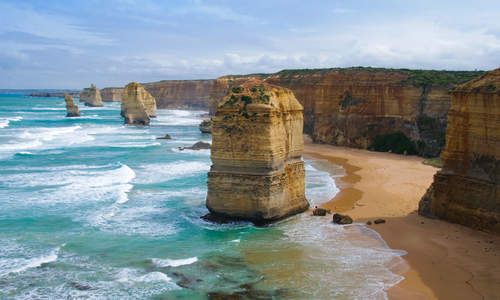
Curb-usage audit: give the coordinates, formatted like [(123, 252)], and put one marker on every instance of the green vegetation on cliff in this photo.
[(396, 142)]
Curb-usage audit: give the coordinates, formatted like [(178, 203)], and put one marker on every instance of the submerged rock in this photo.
[(197, 146), (206, 126), (91, 96), (341, 219), (257, 172), (166, 137), (71, 107), (138, 106)]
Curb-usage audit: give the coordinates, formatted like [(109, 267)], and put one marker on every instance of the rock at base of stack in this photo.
[(91, 96), (467, 189), (257, 172), (71, 107), (138, 106)]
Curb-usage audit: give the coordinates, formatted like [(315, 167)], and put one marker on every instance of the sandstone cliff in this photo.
[(138, 106), (91, 96), (180, 94), (111, 94), (71, 107), (353, 106), (257, 172), (467, 189)]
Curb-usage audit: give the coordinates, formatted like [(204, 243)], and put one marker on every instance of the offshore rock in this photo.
[(341, 219), (91, 96), (467, 189), (257, 172), (111, 94), (138, 106), (71, 107), (197, 146)]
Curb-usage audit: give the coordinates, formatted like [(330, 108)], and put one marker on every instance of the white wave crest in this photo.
[(37, 261), (161, 263), (128, 275), (154, 173)]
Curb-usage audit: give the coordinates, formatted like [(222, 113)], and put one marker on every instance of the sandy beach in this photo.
[(445, 261)]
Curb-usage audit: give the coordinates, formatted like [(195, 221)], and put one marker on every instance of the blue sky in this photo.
[(69, 44)]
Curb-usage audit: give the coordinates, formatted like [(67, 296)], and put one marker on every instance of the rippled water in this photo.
[(94, 209)]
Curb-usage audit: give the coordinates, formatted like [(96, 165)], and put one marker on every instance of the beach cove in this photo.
[(444, 260)]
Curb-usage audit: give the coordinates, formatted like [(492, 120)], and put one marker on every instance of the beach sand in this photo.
[(445, 261)]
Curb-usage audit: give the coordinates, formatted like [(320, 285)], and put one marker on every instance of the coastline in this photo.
[(445, 261)]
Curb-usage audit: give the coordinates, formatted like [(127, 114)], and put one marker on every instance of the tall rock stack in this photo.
[(91, 96), (138, 106), (71, 107), (257, 172), (467, 189)]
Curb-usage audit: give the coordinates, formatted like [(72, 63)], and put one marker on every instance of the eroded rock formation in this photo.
[(91, 96), (257, 172), (138, 106), (352, 106), (467, 189), (181, 94), (71, 107), (111, 94)]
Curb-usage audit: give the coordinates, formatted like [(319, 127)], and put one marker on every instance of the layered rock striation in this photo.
[(71, 107), (111, 94), (467, 189), (257, 172), (91, 96), (138, 106), (353, 106), (181, 94)]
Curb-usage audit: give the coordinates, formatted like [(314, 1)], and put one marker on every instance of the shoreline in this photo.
[(444, 260)]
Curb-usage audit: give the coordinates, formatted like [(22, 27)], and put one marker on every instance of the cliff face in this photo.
[(467, 189), (111, 94), (181, 94), (351, 107), (257, 172), (91, 96), (138, 106), (71, 107)]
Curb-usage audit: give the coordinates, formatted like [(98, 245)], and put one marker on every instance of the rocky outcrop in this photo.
[(71, 107), (181, 94), (352, 106), (257, 172), (206, 126), (467, 189), (138, 106), (91, 96), (111, 94)]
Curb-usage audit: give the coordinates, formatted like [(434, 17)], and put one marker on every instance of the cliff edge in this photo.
[(467, 189), (257, 172)]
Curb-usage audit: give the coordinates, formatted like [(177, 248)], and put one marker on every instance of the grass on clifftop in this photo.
[(415, 77)]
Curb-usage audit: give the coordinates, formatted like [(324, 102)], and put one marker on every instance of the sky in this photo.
[(70, 44)]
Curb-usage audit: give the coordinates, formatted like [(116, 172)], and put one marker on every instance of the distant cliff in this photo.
[(467, 189), (72, 93), (185, 94), (111, 94), (354, 106)]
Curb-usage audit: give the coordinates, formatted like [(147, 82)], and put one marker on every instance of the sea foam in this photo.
[(161, 263)]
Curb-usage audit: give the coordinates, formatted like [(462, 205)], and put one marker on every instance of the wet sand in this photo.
[(445, 261)]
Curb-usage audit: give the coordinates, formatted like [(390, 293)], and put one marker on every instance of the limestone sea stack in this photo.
[(71, 107), (91, 96), (257, 172), (467, 189), (138, 106)]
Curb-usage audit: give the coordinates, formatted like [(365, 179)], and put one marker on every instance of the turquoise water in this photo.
[(93, 209)]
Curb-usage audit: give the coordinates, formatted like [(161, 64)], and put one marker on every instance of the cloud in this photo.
[(219, 12), (339, 11)]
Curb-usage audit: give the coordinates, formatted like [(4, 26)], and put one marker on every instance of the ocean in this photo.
[(93, 209)]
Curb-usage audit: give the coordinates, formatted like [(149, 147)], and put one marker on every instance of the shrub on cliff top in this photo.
[(397, 142)]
